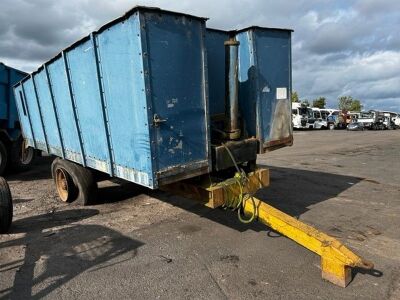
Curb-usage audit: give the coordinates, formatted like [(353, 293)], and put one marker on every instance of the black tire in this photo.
[(6, 206), (21, 159), (83, 185), (3, 158)]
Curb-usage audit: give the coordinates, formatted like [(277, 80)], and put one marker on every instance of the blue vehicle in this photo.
[(13, 152), (131, 101)]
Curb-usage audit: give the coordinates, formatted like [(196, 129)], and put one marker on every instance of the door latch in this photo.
[(157, 120)]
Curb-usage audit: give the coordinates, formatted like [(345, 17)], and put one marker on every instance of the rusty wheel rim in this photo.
[(62, 184), (26, 154)]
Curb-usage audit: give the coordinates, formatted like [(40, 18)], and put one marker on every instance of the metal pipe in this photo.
[(232, 89)]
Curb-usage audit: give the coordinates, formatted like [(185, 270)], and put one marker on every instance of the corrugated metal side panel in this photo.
[(64, 110), (93, 104), (247, 82), (216, 70), (273, 51), (86, 95), (34, 114), (103, 109), (177, 64), (121, 67), (24, 117), (47, 112)]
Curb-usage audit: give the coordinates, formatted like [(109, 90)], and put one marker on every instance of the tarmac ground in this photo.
[(139, 244)]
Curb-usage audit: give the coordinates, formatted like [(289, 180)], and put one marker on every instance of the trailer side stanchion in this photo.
[(337, 260)]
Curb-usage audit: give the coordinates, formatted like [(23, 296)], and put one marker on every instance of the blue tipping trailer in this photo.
[(129, 100), (128, 117), (10, 130), (265, 82)]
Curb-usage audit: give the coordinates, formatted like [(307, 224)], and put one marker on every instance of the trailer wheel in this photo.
[(73, 182), (65, 186), (3, 157), (21, 156), (6, 206)]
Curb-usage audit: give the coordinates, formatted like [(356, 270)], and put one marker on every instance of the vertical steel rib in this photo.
[(205, 95), (103, 104), (259, 123), (28, 114), (55, 110), (147, 92), (71, 94), (40, 114)]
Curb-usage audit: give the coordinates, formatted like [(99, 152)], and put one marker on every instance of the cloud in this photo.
[(339, 47)]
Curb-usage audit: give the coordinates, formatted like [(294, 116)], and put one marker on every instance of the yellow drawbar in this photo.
[(336, 259)]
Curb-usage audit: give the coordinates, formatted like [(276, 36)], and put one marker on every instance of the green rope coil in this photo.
[(237, 202)]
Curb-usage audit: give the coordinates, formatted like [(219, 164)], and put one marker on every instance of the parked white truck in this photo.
[(396, 120), (302, 116), (391, 120), (372, 119)]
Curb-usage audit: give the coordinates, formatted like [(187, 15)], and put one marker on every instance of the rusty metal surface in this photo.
[(243, 151), (232, 89)]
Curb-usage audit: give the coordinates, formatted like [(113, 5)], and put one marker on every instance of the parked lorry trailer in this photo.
[(137, 100), (13, 153), (302, 116)]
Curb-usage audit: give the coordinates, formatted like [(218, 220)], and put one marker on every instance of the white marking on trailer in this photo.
[(281, 93), (266, 89)]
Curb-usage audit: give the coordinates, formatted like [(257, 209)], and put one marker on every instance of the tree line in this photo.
[(345, 103)]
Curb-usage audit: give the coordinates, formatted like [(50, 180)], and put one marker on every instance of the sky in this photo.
[(339, 47)]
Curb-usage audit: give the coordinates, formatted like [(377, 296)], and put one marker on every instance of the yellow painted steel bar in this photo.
[(336, 259)]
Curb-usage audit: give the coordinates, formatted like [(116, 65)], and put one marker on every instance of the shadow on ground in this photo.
[(290, 190), (294, 190), (76, 248), (56, 249), (118, 192), (40, 169)]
